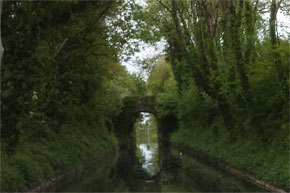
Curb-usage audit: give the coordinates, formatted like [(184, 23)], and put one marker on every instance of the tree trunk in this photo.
[(1, 47), (273, 22), (210, 63), (177, 26), (236, 21), (282, 73)]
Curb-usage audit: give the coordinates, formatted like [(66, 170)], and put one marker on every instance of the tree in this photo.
[(160, 73), (1, 46), (213, 44), (282, 71)]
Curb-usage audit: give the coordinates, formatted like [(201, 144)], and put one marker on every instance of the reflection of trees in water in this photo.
[(132, 171), (184, 173), (135, 177), (167, 171), (177, 174), (146, 141), (146, 129), (149, 158)]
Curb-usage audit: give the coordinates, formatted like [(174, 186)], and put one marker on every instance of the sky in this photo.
[(146, 51), (149, 51)]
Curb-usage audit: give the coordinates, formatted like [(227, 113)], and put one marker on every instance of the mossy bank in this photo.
[(35, 163)]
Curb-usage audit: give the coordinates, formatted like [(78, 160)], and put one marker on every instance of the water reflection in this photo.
[(177, 174), (149, 153), (151, 168), (147, 143)]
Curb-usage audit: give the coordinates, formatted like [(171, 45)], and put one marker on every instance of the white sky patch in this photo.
[(283, 25), (146, 51), (145, 117), (141, 2)]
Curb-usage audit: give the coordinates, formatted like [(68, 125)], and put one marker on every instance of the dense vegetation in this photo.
[(62, 83), (230, 85), (224, 77)]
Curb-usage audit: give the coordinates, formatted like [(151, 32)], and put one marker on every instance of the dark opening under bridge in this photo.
[(132, 106)]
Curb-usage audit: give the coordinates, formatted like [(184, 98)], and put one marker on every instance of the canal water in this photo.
[(152, 169)]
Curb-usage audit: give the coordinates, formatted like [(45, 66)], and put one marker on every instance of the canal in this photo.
[(152, 168)]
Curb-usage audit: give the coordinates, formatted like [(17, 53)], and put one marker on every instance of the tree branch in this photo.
[(60, 47), (101, 15), (163, 5), (255, 11)]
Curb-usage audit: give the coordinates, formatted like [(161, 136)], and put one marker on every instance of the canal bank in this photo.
[(56, 181), (225, 167), (35, 166)]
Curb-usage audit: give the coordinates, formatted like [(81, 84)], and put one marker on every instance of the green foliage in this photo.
[(266, 162), (125, 120), (140, 84), (11, 177), (63, 89), (158, 75), (167, 100), (62, 84), (231, 82), (36, 162), (29, 168)]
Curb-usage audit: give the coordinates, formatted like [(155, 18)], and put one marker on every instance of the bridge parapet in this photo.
[(146, 104)]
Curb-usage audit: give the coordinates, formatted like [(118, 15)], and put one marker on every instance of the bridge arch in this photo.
[(145, 104), (132, 106)]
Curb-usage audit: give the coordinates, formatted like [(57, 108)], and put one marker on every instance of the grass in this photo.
[(267, 162), (35, 162)]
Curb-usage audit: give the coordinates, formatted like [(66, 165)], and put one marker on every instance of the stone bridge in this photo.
[(132, 106), (145, 104)]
